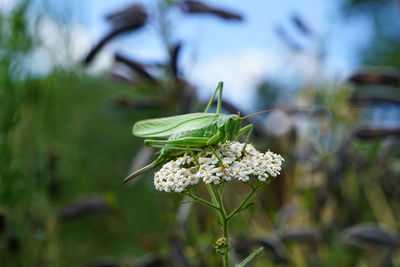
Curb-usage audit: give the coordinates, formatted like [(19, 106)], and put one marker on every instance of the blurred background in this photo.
[(75, 76)]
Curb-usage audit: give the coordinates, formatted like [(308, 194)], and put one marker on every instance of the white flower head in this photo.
[(229, 162)]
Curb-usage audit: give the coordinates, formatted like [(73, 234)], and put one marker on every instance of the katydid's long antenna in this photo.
[(294, 108), (275, 109)]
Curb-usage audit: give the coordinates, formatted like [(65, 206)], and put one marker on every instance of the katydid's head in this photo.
[(232, 126)]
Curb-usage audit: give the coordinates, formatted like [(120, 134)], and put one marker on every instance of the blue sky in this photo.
[(240, 53), (255, 32)]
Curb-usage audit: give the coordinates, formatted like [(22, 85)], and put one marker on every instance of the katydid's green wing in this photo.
[(165, 127)]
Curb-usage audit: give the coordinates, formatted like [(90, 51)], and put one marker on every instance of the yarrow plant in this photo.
[(215, 167), (203, 147), (230, 161)]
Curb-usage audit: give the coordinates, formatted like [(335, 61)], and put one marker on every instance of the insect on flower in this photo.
[(177, 135), (189, 132)]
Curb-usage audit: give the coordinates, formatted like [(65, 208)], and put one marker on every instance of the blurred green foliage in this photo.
[(63, 141), (66, 144)]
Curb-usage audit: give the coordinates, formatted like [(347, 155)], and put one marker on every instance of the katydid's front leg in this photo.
[(249, 130), (195, 157), (215, 138), (216, 155)]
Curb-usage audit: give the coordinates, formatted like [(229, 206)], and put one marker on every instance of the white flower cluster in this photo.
[(228, 161)]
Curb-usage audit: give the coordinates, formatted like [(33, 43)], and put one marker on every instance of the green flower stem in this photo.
[(223, 221), (250, 257), (220, 201), (245, 201), (199, 199), (216, 193), (212, 194), (225, 233)]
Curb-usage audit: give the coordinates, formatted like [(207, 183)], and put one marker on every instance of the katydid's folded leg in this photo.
[(181, 143), (249, 130), (214, 139), (219, 101)]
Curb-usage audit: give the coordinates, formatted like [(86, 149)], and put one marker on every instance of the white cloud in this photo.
[(306, 65), (7, 5), (278, 118), (241, 73), (39, 62), (65, 46)]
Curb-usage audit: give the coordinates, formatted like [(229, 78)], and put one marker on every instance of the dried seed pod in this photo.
[(370, 235), (128, 19), (368, 134), (380, 94), (301, 25), (287, 39), (85, 206), (193, 7), (309, 236), (391, 78), (130, 103), (136, 67), (175, 52), (274, 247)]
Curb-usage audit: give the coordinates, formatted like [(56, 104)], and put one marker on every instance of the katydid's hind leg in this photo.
[(173, 147), (219, 103), (249, 130), (162, 144), (183, 142)]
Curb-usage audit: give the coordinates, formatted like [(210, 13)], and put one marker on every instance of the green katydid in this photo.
[(189, 132)]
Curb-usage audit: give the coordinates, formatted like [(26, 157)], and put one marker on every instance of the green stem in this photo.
[(245, 201), (218, 205), (250, 257), (225, 257), (199, 199), (212, 194), (224, 222), (220, 201)]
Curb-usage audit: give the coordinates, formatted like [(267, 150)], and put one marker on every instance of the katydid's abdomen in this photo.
[(166, 127), (176, 137)]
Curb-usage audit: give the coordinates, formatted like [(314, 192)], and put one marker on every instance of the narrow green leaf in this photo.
[(189, 201), (250, 257), (245, 207)]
